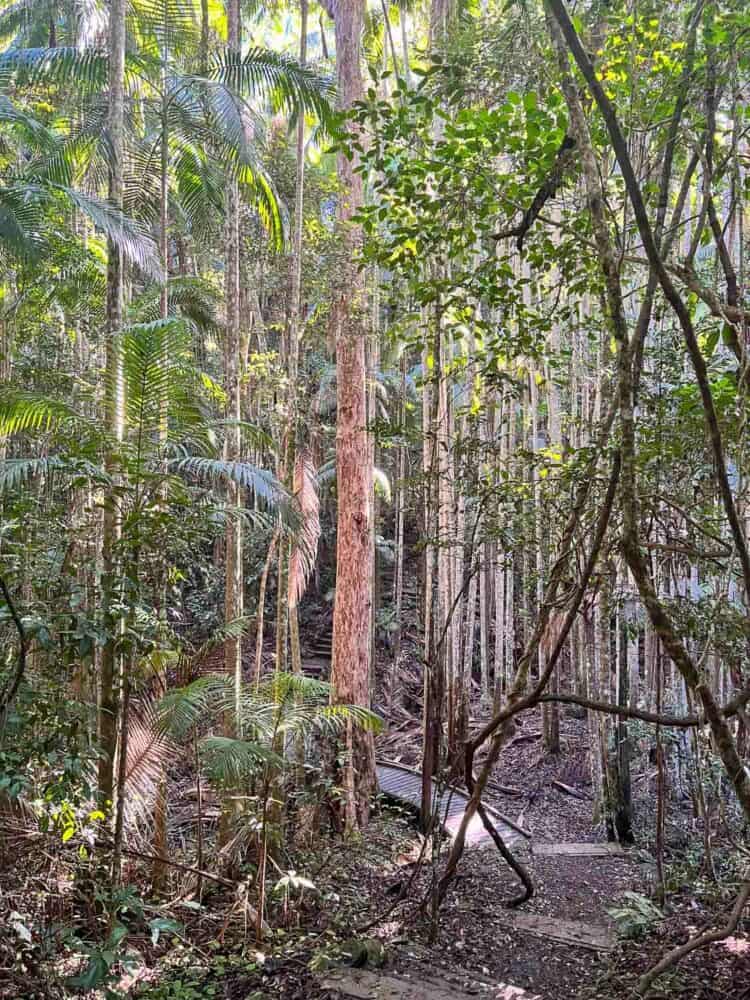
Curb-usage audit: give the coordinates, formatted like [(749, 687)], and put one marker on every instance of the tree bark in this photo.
[(350, 672)]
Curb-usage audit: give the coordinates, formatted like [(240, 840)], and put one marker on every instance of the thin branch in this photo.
[(23, 648), (563, 160)]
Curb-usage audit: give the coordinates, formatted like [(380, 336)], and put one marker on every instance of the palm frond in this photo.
[(131, 239), (22, 221), (31, 411), (160, 380), (231, 762), (302, 560), (86, 68), (284, 686), (32, 131), (193, 299), (278, 78), (150, 748), (15, 472), (182, 709), (327, 474), (236, 628), (328, 720), (259, 481), (382, 483)]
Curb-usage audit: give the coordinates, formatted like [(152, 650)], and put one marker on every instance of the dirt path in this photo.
[(494, 949)]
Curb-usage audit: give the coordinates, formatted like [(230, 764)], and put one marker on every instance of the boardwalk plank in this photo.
[(405, 785)]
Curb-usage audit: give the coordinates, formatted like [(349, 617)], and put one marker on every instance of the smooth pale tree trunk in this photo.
[(404, 46), (352, 607), (114, 410), (233, 594), (294, 318), (159, 870), (433, 674), (261, 606), (623, 806), (398, 579), (551, 712)]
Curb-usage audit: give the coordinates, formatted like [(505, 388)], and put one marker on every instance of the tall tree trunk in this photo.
[(351, 617), (114, 408), (233, 595), (159, 870), (294, 321)]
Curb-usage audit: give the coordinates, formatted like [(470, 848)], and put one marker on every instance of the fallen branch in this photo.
[(506, 789), (523, 738), (145, 856)]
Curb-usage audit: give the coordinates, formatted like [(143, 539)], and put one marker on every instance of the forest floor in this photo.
[(353, 903), (476, 950)]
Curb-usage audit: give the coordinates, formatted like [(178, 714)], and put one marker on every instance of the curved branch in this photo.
[(732, 708), (510, 859), (563, 159), (671, 294), (23, 648), (700, 941)]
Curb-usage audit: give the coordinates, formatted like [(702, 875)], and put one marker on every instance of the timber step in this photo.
[(315, 667), (580, 850), (363, 984), (593, 937), (405, 785)]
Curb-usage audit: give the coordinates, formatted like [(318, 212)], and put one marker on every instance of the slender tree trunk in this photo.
[(398, 580), (114, 409), (233, 595), (293, 339)]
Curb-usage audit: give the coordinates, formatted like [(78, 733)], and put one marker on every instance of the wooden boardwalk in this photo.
[(405, 785)]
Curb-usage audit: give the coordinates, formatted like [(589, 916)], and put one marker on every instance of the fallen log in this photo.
[(560, 786)]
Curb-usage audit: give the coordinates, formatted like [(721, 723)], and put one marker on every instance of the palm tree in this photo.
[(197, 127), (278, 717), (153, 453)]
